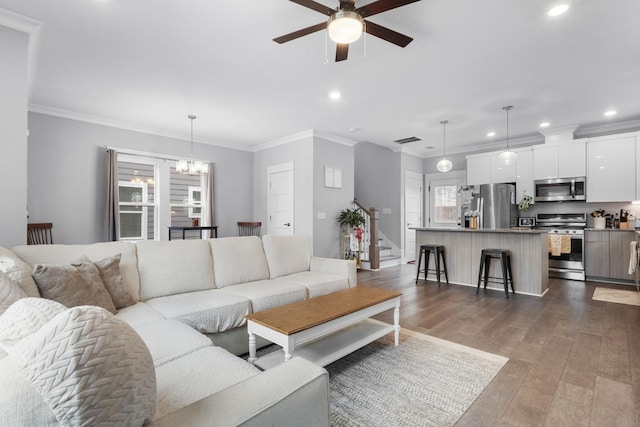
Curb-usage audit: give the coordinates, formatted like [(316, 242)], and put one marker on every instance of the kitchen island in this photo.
[(529, 255)]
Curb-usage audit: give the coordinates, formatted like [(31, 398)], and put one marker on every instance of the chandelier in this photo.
[(191, 167)]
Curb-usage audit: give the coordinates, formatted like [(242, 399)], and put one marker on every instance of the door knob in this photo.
[(288, 224)]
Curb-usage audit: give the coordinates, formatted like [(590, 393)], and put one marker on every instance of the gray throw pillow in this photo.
[(73, 285), (109, 269)]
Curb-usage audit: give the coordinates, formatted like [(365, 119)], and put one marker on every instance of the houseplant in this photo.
[(350, 221)]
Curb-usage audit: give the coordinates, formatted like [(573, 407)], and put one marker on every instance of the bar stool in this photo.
[(438, 254), (485, 262)]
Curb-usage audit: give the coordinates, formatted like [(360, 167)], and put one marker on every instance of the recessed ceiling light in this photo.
[(544, 124), (335, 95), (490, 134), (558, 10), (354, 129), (610, 113)]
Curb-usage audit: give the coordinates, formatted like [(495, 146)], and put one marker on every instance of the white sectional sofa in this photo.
[(190, 299)]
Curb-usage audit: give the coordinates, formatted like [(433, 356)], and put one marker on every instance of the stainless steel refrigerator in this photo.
[(496, 205)]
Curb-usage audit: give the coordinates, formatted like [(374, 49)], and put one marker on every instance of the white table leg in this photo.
[(396, 322), (288, 348), (252, 348)]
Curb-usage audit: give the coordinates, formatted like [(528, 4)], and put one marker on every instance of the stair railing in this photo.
[(370, 236)]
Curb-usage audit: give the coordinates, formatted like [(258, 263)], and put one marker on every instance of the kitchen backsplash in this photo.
[(579, 207)]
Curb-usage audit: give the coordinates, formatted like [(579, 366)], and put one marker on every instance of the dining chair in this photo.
[(249, 228), (39, 233)]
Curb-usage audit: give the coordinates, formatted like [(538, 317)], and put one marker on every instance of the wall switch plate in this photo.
[(322, 215)]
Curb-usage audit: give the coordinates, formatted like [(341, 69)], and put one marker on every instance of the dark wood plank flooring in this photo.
[(573, 361)]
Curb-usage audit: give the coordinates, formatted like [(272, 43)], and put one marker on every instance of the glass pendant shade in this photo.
[(444, 165), (345, 27)]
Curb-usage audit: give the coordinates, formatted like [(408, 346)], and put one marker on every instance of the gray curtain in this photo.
[(113, 199), (208, 192)]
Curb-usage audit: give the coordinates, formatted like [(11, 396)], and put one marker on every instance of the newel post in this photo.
[(374, 248)]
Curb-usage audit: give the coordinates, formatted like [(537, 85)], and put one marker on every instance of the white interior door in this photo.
[(444, 203), (280, 199), (413, 196)]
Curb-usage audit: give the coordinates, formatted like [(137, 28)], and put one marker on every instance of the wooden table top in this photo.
[(298, 316)]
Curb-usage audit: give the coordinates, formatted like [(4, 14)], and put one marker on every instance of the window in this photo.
[(136, 191), (445, 204), (186, 198), (195, 202)]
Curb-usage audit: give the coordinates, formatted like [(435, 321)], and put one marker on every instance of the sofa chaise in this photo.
[(186, 302)]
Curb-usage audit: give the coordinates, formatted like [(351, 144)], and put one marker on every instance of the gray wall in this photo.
[(13, 137), (300, 152), (67, 175), (378, 184), (330, 201)]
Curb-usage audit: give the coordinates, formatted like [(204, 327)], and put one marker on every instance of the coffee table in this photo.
[(325, 328)]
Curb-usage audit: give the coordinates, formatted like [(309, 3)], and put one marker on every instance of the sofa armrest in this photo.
[(343, 267), (295, 393)]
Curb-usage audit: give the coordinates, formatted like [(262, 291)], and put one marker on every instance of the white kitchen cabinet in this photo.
[(611, 170), (572, 160), (545, 162), (478, 170), (500, 172), (638, 169), (567, 160), (524, 175)]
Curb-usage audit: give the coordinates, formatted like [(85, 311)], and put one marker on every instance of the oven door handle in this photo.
[(573, 189)]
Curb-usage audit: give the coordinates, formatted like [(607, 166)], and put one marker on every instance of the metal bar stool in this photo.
[(485, 263), (438, 256)]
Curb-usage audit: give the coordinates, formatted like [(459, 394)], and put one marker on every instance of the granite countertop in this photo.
[(485, 230)]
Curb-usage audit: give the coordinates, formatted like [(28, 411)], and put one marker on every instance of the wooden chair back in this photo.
[(249, 228), (39, 234)]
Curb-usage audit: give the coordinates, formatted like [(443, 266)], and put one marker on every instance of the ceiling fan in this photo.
[(347, 22)]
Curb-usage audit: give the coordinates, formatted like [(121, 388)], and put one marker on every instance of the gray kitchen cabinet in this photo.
[(607, 255)]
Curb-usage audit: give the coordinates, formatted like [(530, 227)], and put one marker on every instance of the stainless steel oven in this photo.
[(566, 244)]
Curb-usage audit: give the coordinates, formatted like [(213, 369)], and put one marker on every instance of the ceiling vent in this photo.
[(407, 140)]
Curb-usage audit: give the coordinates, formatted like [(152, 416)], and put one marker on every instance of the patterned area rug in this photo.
[(425, 381), (617, 295)]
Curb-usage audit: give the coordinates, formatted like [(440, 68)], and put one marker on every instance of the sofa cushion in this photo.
[(209, 311), (26, 317), (286, 254), (20, 403), (168, 340), (318, 283), (66, 254), (19, 271), (109, 269), (184, 381), (10, 292), (238, 260), (266, 294), (169, 268), (73, 285), (91, 368), (139, 314)]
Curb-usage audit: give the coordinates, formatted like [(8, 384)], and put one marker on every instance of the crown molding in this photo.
[(607, 129), (30, 26), (134, 127), (559, 131), (310, 133)]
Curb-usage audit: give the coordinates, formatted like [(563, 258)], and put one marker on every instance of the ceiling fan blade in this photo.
[(387, 34), (342, 50), (347, 4), (381, 6), (300, 33), (326, 10)]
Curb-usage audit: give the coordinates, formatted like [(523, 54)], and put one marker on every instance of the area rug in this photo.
[(617, 295)]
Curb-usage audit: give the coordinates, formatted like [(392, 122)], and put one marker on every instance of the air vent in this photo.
[(407, 140)]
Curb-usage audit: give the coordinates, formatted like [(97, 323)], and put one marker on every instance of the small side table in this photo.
[(212, 228)]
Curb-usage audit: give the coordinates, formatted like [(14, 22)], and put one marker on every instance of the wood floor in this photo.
[(573, 361)]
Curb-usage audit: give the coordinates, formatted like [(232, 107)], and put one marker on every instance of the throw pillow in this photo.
[(19, 271), (91, 368), (10, 292), (73, 285), (24, 318), (109, 269)]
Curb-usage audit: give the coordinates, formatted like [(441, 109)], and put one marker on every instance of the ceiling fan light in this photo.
[(444, 165), (345, 27)]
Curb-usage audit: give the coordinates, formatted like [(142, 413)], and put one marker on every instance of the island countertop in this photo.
[(528, 248)]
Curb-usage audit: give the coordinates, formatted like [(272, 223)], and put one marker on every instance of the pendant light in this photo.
[(191, 167), (507, 157), (444, 165)]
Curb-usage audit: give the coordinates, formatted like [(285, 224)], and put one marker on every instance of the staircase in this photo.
[(375, 253)]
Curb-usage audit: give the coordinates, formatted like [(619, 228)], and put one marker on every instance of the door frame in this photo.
[(281, 167), (461, 175), (417, 176)]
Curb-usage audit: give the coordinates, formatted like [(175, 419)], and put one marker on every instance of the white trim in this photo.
[(134, 127), (282, 167), (311, 133)]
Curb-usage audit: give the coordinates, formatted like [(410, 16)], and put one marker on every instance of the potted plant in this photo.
[(350, 220)]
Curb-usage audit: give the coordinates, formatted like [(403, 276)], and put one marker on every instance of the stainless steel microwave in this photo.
[(561, 189)]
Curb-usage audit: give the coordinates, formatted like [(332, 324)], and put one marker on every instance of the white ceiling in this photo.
[(147, 64)]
